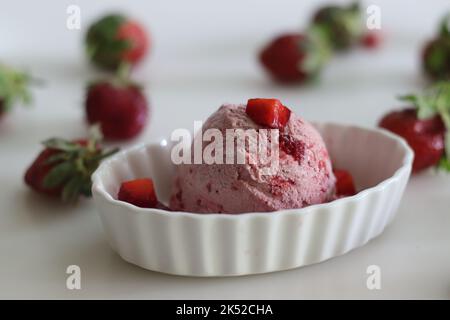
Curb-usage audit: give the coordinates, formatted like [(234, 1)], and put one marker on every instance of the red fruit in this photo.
[(39, 169), (121, 110), (345, 186), (132, 32), (115, 39), (283, 57), (64, 168), (425, 137), (268, 112), (371, 40), (139, 192)]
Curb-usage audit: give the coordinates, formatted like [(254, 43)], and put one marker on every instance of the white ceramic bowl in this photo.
[(225, 245)]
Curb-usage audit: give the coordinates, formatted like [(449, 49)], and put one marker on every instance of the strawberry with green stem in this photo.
[(426, 126), (296, 57), (13, 88), (64, 168), (342, 25), (114, 40), (118, 105)]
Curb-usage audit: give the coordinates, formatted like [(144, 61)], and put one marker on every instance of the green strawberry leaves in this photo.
[(341, 25), (435, 100), (73, 164), (444, 29), (58, 175), (102, 45), (444, 164), (61, 145), (121, 78), (317, 50), (13, 87), (436, 56)]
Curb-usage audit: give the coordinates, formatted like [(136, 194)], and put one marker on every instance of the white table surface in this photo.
[(204, 55)]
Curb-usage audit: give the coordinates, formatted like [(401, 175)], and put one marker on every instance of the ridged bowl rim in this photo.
[(99, 190)]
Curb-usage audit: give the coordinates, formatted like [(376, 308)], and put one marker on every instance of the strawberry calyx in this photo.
[(317, 50), (444, 30), (73, 163), (435, 101), (342, 25), (121, 78), (13, 87), (103, 46), (436, 53)]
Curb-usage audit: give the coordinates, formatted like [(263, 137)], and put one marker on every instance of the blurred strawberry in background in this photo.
[(118, 106), (299, 57), (343, 25), (425, 126), (295, 57), (115, 39)]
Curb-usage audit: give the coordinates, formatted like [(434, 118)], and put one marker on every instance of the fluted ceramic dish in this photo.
[(193, 244)]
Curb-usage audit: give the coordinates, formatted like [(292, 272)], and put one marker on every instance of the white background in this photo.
[(204, 54)]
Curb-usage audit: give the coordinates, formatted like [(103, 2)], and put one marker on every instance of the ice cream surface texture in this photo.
[(303, 177)]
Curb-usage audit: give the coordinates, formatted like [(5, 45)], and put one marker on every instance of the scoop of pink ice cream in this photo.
[(304, 175)]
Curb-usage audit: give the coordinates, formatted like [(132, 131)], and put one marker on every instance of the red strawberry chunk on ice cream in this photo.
[(139, 192), (345, 186), (268, 112)]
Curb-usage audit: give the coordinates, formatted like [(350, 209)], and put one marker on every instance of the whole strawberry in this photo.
[(114, 40), (425, 126), (295, 57), (64, 168), (342, 25), (118, 106), (436, 53), (13, 88)]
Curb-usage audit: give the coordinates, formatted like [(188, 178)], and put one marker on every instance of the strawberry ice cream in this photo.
[(304, 175)]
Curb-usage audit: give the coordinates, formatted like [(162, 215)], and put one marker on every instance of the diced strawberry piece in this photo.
[(139, 192), (268, 112), (344, 183), (289, 145)]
